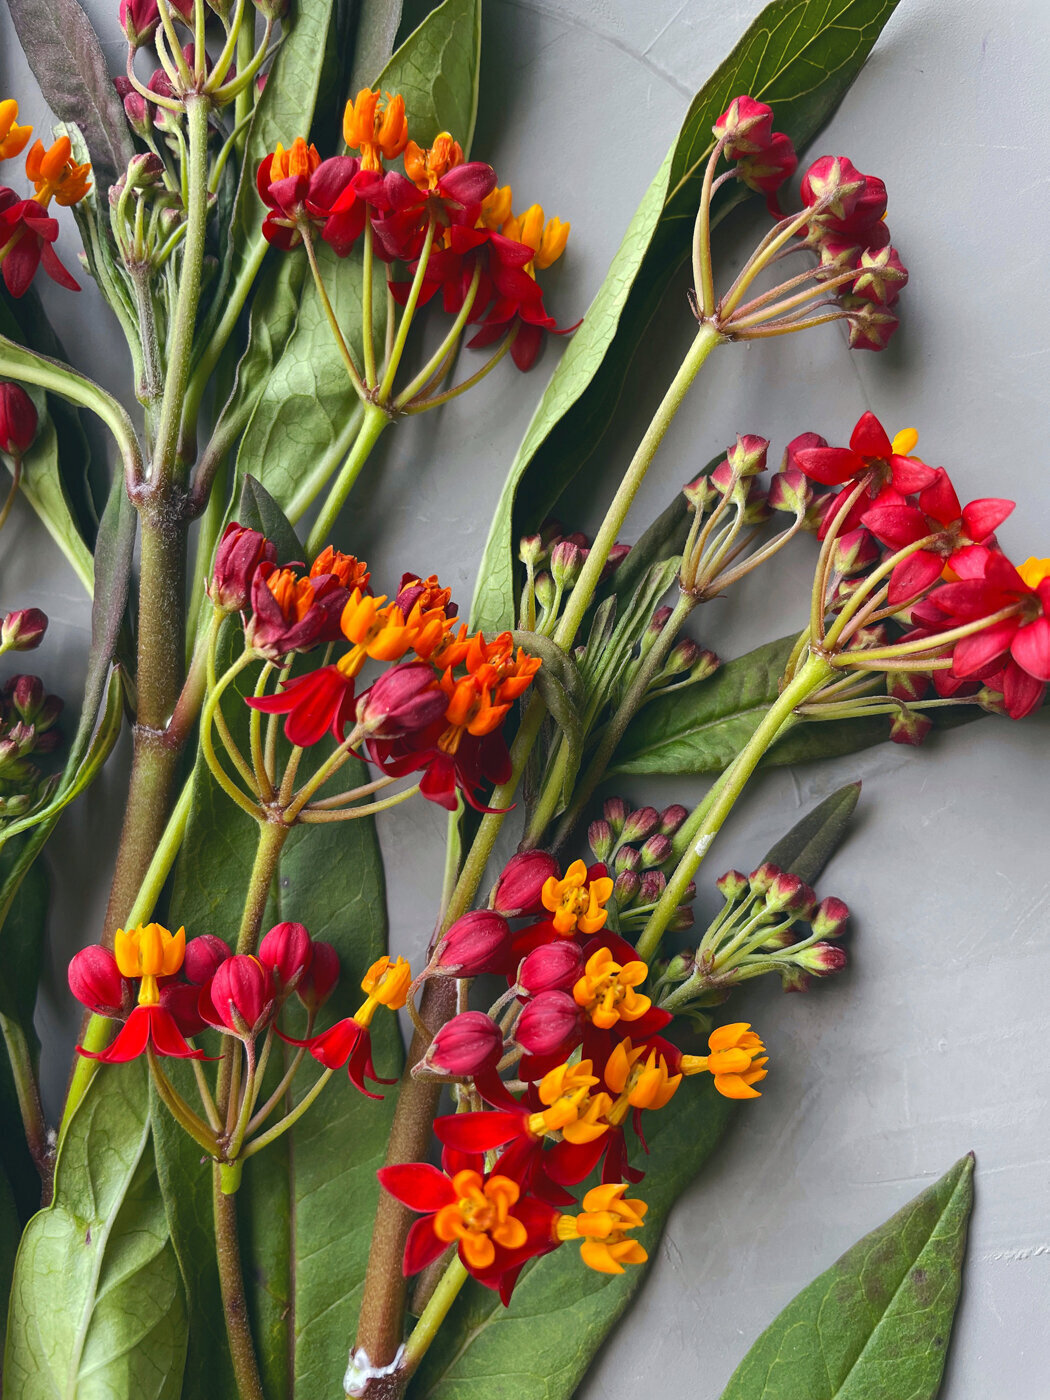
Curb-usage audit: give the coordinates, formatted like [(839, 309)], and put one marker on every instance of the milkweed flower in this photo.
[(736, 1060), (13, 138), (601, 1227)]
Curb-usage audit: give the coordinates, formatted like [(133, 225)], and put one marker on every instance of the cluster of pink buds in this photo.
[(636, 847), (28, 719), (553, 561)]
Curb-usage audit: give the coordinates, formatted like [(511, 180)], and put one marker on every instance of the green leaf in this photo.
[(877, 1323), (702, 729), (561, 1310), (377, 23), (307, 414), (96, 1305), (259, 511), (67, 62), (811, 842), (800, 56)]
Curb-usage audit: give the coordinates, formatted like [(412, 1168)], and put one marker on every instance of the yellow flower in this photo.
[(375, 127), (571, 1109), (575, 902), (298, 160), (547, 238), (149, 951), (387, 982), (480, 1218), (13, 137), (55, 174), (638, 1083), (606, 990), (1034, 571), (425, 167), (737, 1060), (602, 1226)]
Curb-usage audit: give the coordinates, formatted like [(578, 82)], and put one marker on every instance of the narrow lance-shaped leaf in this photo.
[(800, 56), (875, 1325), (67, 62), (811, 842)]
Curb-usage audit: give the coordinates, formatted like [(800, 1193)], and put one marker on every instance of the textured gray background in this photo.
[(934, 1041)]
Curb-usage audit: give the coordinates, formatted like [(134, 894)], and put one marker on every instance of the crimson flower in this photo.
[(26, 236), (316, 704), (146, 1026), (871, 456), (347, 1043), (298, 186)]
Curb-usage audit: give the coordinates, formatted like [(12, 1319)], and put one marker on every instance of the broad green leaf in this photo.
[(259, 511), (561, 1310), (800, 56), (875, 1325), (306, 414), (702, 729), (377, 24), (10, 1233), (811, 842), (96, 1306)]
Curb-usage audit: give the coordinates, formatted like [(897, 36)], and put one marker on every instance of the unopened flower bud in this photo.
[(626, 858), (22, 630), (699, 493), (757, 509), (204, 955), (239, 554), (566, 562), (626, 888), (531, 550), (681, 966), (788, 894), (654, 882), (907, 685), (790, 491), (854, 551), (136, 109), (614, 559), (551, 1021), (95, 981), (615, 810), (640, 823), (139, 20), (909, 727), (837, 254), (767, 170), (477, 943), (145, 171), (466, 1045), (655, 850), (682, 919), (17, 420), (671, 818), (821, 959), (319, 979), (882, 276), (792, 978), (26, 694), (519, 888), (404, 700), (241, 993), (748, 455), (746, 125), (763, 876), (182, 1002), (600, 839), (830, 917), (551, 967), (871, 327), (659, 620), (286, 950), (732, 885), (837, 183), (544, 590)]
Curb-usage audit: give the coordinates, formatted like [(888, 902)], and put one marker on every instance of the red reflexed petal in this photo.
[(896, 526), (831, 466), (914, 575), (129, 1044), (909, 475), (1031, 648), (469, 183), (654, 1020), (973, 654), (166, 1036), (869, 438), (1022, 693), (569, 1163), (939, 498), (477, 1132), (526, 347), (422, 1246), (417, 1185), (982, 517)]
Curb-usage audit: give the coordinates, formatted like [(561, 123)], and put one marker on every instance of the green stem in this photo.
[(271, 1134), (28, 1095), (353, 373), (433, 1315), (367, 329), (811, 677), (234, 1302), (375, 419), (411, 302)]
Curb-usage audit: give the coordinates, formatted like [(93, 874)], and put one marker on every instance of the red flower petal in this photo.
[(129, 1044), (477, 1132), (1031, 648), (909, 475), (896, 526), (422, 1246), (973, 654), (869, 438), (914, 575), (166, 1036), (831, 466), (982, 517), (417, 1185), (1022, 693)]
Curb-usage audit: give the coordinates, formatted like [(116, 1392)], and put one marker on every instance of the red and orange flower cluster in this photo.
[(238, 995), (972, 619), (444, 216), (27, 232), (439, 707), (586, 1043)]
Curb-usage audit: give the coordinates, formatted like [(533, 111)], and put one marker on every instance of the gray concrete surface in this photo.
[(934, 1041)]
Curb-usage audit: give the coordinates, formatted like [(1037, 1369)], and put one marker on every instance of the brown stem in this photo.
[(234, 1302)]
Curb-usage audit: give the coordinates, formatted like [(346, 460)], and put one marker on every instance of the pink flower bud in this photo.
[(205, 954), (139, 20), (466, 1045), (654, 882), (761, 878), (767, 169), (566, 562), (626, 887), (830, 917), (23, 630), (239, 554), (672, 818), (732, 885), (854, 551), (549, 1023), (477, 943), (910, 727), (790, 491), (882, 276), (656, 850), (836, 180), (286, 951), (681, 919), (640, 824), (747, 457), (318, 982), (699, 493), (241, 993), (520, 885), (17, 420), (822, 959), (600, 839), (551, 967), (614, 810), (747, 126), (870, 327), (403, 700), (615, 558), (788, 894), (27, 696), (95, 981), (626, 858), (182, 1002)]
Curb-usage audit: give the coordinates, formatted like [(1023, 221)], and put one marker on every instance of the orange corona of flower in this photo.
[(347, 568), (547, 238), (496, 208), (737, 1060), (1034, 571), (606, 991), (638, 1082), (376, 631), (149, 951), (13, 138), (602, 1227), (480, 1218), (386, 983), (298, 161), (55, 175), (571, 1108), (294, 595), (375, 127), (576, 903), (425, 166)]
